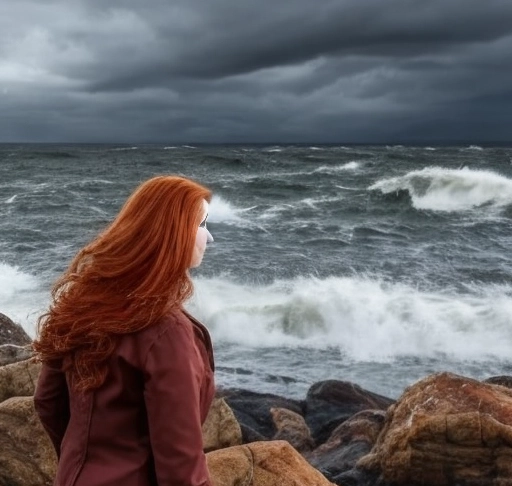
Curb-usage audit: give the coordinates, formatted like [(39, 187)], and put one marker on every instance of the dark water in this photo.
[(372, 264)]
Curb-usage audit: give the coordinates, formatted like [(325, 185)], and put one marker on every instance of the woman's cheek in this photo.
[(199, 248)]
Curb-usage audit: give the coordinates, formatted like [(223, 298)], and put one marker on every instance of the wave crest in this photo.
[(439, 189), (326, 169), (367, 319), (222, 211)]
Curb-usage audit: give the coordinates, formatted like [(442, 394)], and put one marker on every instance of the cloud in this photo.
[(286, 70)]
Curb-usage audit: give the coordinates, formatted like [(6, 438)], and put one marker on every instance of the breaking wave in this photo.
[(338, 168), (20, 297), (441, 189), (367, 319), (222, 211)]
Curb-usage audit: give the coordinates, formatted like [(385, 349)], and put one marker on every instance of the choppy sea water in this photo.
[(376, 265)]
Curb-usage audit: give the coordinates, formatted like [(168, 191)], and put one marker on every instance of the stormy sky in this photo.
[(217, 71)]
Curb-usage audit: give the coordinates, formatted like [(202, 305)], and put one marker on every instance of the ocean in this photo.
[(371, 264)]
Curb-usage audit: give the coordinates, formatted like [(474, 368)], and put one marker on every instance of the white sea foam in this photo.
[(347, 188), (277, 210), (440, 189), (87, 182), (21, 298), (222, 211), (99, 211), (312, 202), (101, 181), (327, 169), (366, 319)]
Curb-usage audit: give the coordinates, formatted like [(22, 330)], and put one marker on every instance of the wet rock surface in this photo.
[(350, 441), (252, 411), (329, 403)]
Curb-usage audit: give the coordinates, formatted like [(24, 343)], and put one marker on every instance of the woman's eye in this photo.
[(203, 223)]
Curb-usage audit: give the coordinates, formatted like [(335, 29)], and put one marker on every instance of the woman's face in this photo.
[(203, 236)]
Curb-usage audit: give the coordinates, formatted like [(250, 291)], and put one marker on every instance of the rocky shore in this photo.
[(444, 430)]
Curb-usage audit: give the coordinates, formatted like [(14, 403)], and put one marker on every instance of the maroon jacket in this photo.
[(142, 427)]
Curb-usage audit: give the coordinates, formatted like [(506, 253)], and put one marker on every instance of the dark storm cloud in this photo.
[(230, 38), (255, 71)]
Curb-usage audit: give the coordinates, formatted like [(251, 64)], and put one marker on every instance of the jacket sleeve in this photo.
[(173, 375), (51, 401)]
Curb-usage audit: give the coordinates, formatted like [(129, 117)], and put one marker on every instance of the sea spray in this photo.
[(441, 189), (367, 319), (21, 298), (221, 211), (353, 165)]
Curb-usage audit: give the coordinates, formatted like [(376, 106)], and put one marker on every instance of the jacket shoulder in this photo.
[(179, 326)]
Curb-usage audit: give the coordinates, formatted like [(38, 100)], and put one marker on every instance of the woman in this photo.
[(127, 375)]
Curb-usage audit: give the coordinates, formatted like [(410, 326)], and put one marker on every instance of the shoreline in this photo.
[(442, 430)]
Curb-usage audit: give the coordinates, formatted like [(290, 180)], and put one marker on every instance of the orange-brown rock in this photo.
[(27, 457), (18, 379), (221, 429), (292, 427), (267, 463), (446, 430)]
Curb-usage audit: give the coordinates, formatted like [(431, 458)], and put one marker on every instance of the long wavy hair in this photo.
[(125, 280)]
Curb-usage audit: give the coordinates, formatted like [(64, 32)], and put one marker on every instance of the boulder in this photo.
[(503, 380), (19, 379), (446, 430), (350, 441), (268, 463), (27, 457), (12, 333), (221, 429), (252, 410), (291, 427), (329, 403), (12, 353)]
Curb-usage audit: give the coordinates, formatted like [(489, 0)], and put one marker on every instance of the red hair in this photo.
[(125, 280)]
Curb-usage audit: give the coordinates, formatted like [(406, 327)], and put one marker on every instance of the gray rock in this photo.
[(12, 333), (12, 353)]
